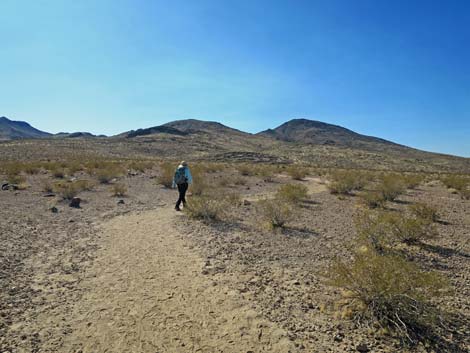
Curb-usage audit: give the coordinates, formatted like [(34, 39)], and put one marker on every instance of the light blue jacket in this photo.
[(187, 174)]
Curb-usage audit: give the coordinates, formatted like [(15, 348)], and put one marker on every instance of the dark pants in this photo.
[(182, 188)]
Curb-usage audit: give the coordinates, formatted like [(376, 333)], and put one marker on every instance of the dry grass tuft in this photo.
[(293, 193), (119, 190)]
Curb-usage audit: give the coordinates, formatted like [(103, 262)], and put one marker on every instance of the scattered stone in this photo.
[(8, 186), (120, 202), (54, 209), (75, 202), (362, 347), (49, 194), (246, 203), (5, 186)]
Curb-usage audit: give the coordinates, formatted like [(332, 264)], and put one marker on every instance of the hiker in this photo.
[(182, 179)]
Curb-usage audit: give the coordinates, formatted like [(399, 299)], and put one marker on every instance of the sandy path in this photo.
[(146, 293)]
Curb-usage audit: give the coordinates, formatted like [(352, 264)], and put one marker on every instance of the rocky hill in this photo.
[(11, 130)]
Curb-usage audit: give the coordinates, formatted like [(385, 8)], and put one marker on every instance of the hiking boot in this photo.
[(177, 209)]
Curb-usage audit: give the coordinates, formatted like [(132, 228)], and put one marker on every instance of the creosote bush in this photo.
[(119, 190), (372, 199), (391, 186), (294, 193), (275, 213), (423, 211), (297, 172), (380, 230), (210, 208), (107, 173), (246, 169), (68, 190), (167, 172), (459, 183), (344, 182), (390, 291)]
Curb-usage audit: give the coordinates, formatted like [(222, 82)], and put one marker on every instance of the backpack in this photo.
[(180, 176)]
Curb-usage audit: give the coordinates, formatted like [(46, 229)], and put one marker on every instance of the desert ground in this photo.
[(124, 272)]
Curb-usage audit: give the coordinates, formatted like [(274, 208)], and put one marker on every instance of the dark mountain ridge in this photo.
[(10, 130)]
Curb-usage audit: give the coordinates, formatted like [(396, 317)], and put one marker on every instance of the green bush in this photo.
[(344, 182), (274, 214), (390, 291), (294, 193)]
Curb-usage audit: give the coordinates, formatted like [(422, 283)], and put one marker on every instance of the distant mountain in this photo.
[(76, 135), (191, 126), (319, 133), (10, 130)]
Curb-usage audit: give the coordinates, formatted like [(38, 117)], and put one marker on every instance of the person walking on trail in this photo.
[(182, 179)]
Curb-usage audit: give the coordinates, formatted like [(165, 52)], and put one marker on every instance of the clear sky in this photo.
[(396, 69)]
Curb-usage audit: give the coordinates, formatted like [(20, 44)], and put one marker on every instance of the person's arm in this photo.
[(189, 176)]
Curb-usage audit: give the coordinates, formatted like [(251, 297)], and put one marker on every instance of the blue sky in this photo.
[(397, 69)]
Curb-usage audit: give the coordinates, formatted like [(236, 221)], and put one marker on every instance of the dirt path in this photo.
[(146, 293)]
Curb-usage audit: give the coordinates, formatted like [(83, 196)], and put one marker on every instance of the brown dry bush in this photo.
[(274, 213), (372, 199), (293, 193), (412, 181), (140, 166), (108, 172), (210, 208), (456, 182), (68, 190), (58, 172), (167, 172), (32, 168), (267, 172), (246, 169), (344, 182), (119, 190), (297, 172), (390, 291)]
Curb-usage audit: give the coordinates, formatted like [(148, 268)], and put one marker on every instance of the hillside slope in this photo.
[(10, 130)]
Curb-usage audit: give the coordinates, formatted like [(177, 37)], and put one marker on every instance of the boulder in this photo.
[(75, 202)]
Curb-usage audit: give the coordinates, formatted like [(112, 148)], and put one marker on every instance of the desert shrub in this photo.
[(167, 172), (47, 187), (68, 190), (108, 173), (274, 214), (207, 208), (423, 211), (58, 172), (381, 229), (239, 180), (31, 168), (118, 190), (297, 172), (246, 169), (456, 182), (372, 199), (266, 172), (292, 193), (344, 182), (140, 166), (74, 167), (391, 186), (200, 184), (13, 173), (412, 181), (390, 291)]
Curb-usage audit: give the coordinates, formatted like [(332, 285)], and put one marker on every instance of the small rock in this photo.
[(5, 186), (246, 203), (120, 202), (54, 209), (75, 202), (362, 347), (49, 194)]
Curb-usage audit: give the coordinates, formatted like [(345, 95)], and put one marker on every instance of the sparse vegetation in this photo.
[(207, 208), (275, 214), (344, 182), (119, 189), (372, 199), (297, 172), (167, 172), (391, 186), (459, 183), (293, 193), (390, 291), (423, 211), (68, 190), (107, 173)]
